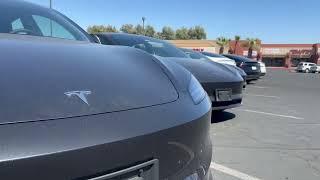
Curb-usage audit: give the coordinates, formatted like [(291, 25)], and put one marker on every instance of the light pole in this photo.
[(143, 20), (50, 1)]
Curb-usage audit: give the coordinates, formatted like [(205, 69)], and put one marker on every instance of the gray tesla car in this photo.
[(71, 109), (199, 56), (223, 85)]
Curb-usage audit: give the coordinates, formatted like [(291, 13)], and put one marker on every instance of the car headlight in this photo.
[(196, 91)]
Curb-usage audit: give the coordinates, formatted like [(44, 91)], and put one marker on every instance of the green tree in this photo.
[(139, 29), (222, 42), (197, 32), (128, 28), (101, 29), (149, 31), (182, 33), (167, 33), (158, 35), (252, 44)]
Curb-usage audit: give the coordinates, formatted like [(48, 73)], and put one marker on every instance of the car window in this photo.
[(38, 22), (51, 28), (17, 24), (152, 46)]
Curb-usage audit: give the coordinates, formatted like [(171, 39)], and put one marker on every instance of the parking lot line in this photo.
[(232, 172), (260, 95), (260, 87), (271, 114)]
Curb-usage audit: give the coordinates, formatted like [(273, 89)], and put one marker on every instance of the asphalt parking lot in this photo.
[(275, 134)]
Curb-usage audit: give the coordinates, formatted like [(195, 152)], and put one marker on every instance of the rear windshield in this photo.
[(150, 45), (194, 55)]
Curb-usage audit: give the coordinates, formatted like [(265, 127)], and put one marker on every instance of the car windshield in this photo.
[(193, 54), (152, 46), (28, 20)]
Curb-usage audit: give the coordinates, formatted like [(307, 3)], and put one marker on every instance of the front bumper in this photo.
[(176, 134), (235, 102), (236, 97), (253, 77)]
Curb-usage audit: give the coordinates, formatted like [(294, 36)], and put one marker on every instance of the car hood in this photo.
[(45, 78), (223, 60), (207, 71)]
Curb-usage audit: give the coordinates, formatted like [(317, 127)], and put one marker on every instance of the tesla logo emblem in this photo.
[(80, 94)]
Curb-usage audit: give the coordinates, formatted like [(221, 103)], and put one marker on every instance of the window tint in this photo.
[(193, 54), (24, 19), (51, 28), (152, 46), (104, 40), (17, 24)]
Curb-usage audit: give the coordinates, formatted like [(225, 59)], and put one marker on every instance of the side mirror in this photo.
[(95, 38)]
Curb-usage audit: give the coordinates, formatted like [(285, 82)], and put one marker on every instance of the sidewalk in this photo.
[(291, 69)]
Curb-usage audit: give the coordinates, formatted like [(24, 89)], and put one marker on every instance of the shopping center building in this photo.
[(274, 55)]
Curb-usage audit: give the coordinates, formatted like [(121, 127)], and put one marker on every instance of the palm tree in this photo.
[(222, 42), (237, 39), (252, 44)]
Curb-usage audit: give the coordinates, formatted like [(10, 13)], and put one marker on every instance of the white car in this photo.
[(219, 59), (305, 67), (263, 68), (315, 69)]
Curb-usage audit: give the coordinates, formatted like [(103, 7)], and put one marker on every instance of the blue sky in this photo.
[(273, 21)]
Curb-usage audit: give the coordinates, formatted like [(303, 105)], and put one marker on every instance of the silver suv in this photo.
[(305, 67)]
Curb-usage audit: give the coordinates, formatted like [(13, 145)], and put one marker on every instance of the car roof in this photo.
[(122, 34), (307, 62), (212, 54), (238, 58), (187, 50)]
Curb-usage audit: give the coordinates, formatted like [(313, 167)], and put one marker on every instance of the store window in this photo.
[(274, 62)]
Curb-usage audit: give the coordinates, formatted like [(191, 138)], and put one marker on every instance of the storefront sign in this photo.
[(271, 51), (254, 53), (198, 49), (203, 49), (301, 52)]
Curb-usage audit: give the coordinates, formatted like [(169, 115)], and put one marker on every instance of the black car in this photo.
[(197, 55), (223, 85), (72, 109), (251, 67)]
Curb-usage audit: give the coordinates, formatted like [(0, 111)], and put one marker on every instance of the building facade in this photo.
[(273, 55)]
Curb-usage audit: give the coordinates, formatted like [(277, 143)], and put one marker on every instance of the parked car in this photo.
[(219, 58), (315, 69), (263, 68), (252, 68), (72, 109), (197, 55), (223, 85), (305, 67)]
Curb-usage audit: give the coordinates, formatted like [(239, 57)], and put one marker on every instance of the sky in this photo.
[(272, 21)]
